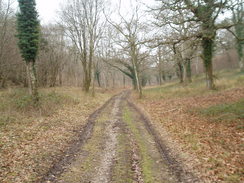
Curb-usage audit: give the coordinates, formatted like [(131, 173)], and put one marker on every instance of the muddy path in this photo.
[(118, 145)]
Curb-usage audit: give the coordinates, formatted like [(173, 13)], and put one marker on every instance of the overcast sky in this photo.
[(48, 8)]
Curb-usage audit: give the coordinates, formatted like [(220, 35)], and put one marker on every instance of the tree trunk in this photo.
[(53, 81), (140, 90), (32, 80), (184, 72), (188, 71), (138, 82), (106, 81), (137, 79), (113, 76), (160, 72), (180, 72), (209, 77), (98, 79), (163, 76), (197, 65), (134, 83), (160, 76), (60, 78), (124, 80), (207, 45), (93, 80), (3, 82), (87, 83), (87, 80), (29, 78), (240, 50), (179, 69), (241, 64)]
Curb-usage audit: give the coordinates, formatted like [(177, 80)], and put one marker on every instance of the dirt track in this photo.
[(118, 145)]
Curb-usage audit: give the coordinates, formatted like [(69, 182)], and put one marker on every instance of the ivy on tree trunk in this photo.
[(207, 55), (28, 35)]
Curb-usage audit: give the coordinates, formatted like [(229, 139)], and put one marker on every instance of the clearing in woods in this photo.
[(118, 145)]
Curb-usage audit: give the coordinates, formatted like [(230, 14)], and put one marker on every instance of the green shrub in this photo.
[(23, 102), (225, 112)]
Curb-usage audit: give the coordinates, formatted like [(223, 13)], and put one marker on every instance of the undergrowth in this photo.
[(224, 80), (17, 102), (225, 112)]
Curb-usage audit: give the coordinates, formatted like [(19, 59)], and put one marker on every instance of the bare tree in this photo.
[(131, 41), (203, 14), (160, 65), (238, 20), (5, 21), (52, 56), (81, 20)]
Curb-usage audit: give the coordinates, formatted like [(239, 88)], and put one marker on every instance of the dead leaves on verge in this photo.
[(217, 145), (29, 146)]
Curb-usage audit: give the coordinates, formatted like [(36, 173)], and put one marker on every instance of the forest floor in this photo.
[(176, 133), (61, 141), (207, 127)]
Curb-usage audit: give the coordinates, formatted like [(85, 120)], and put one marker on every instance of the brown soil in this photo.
[(118, 144), (181, 172), (82, 136)]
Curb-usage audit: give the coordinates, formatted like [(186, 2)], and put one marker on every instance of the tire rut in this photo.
[(94, 160), (82, 135), (114, 148), (104, 169), (182, 175)]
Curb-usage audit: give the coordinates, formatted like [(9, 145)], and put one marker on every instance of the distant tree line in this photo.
[(94, 46)]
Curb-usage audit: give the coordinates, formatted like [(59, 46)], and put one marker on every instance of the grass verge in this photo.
[(225, 112), (225, 80)]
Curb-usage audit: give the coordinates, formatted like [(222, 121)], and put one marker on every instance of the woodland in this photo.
[(174, 66)]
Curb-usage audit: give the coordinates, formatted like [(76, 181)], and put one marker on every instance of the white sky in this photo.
[(47, 9)]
